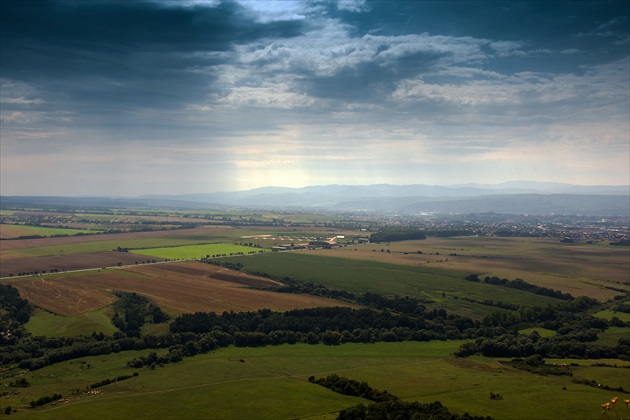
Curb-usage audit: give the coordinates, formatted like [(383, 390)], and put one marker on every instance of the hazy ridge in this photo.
[(519, 197)]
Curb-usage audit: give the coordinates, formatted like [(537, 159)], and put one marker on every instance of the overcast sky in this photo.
[(127, 98)]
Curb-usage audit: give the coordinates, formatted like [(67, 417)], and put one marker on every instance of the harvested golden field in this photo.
[(64, 296), (177, 288), (13, 231), (588, 269)]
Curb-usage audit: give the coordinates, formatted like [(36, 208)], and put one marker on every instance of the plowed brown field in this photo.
[(13, 266), (13, 231), (178, 288)]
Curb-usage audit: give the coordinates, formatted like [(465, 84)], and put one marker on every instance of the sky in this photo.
[(119, 98)]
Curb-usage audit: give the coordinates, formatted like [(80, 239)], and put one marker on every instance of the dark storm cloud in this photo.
[(370, 80), (122, 52)]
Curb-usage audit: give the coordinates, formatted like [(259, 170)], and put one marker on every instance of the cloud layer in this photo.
[(125, 98)]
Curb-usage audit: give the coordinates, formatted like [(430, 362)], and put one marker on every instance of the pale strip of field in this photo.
[(579, 270), (203, 232), (176, 287)]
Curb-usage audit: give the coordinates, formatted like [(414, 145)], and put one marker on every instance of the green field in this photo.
[(44, 323), (611, 336), (197, 251), (271, 383), (446, 287), (608, 314)]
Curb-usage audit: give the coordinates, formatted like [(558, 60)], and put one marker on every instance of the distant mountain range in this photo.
[(518, 197)]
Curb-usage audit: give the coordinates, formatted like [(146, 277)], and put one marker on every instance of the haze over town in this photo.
[(163, 97)]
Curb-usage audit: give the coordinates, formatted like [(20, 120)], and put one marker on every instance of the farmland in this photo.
[(446, 287), (577, 269), (177, 287), (74, 283), (271, 382), (95, 251)]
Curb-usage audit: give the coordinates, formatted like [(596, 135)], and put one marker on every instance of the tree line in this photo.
[(521, 284), (385, 319), (396, 235)]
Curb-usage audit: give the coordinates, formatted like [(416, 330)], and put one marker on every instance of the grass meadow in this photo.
[(611, 337), (43, 323), (609, 314), (446, 287), (272, 383)]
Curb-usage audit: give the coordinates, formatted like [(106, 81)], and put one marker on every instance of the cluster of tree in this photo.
[(20, 383), (350, 325), (32, 354), (27, 237), (209, 258), (576, 330), (536, 364), (396, 235), (595, 384), (497, 304), (386, 405), (521, 284), (622, 242), (397, 409), (136, 311), (35, 273), (45, 400), (495, 396), (622, 307), (346, 386), (111, 381), (573, 346), (552, 317), (252, 244), (223, 263), (37, 352), (16, 312), (152, 359)]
